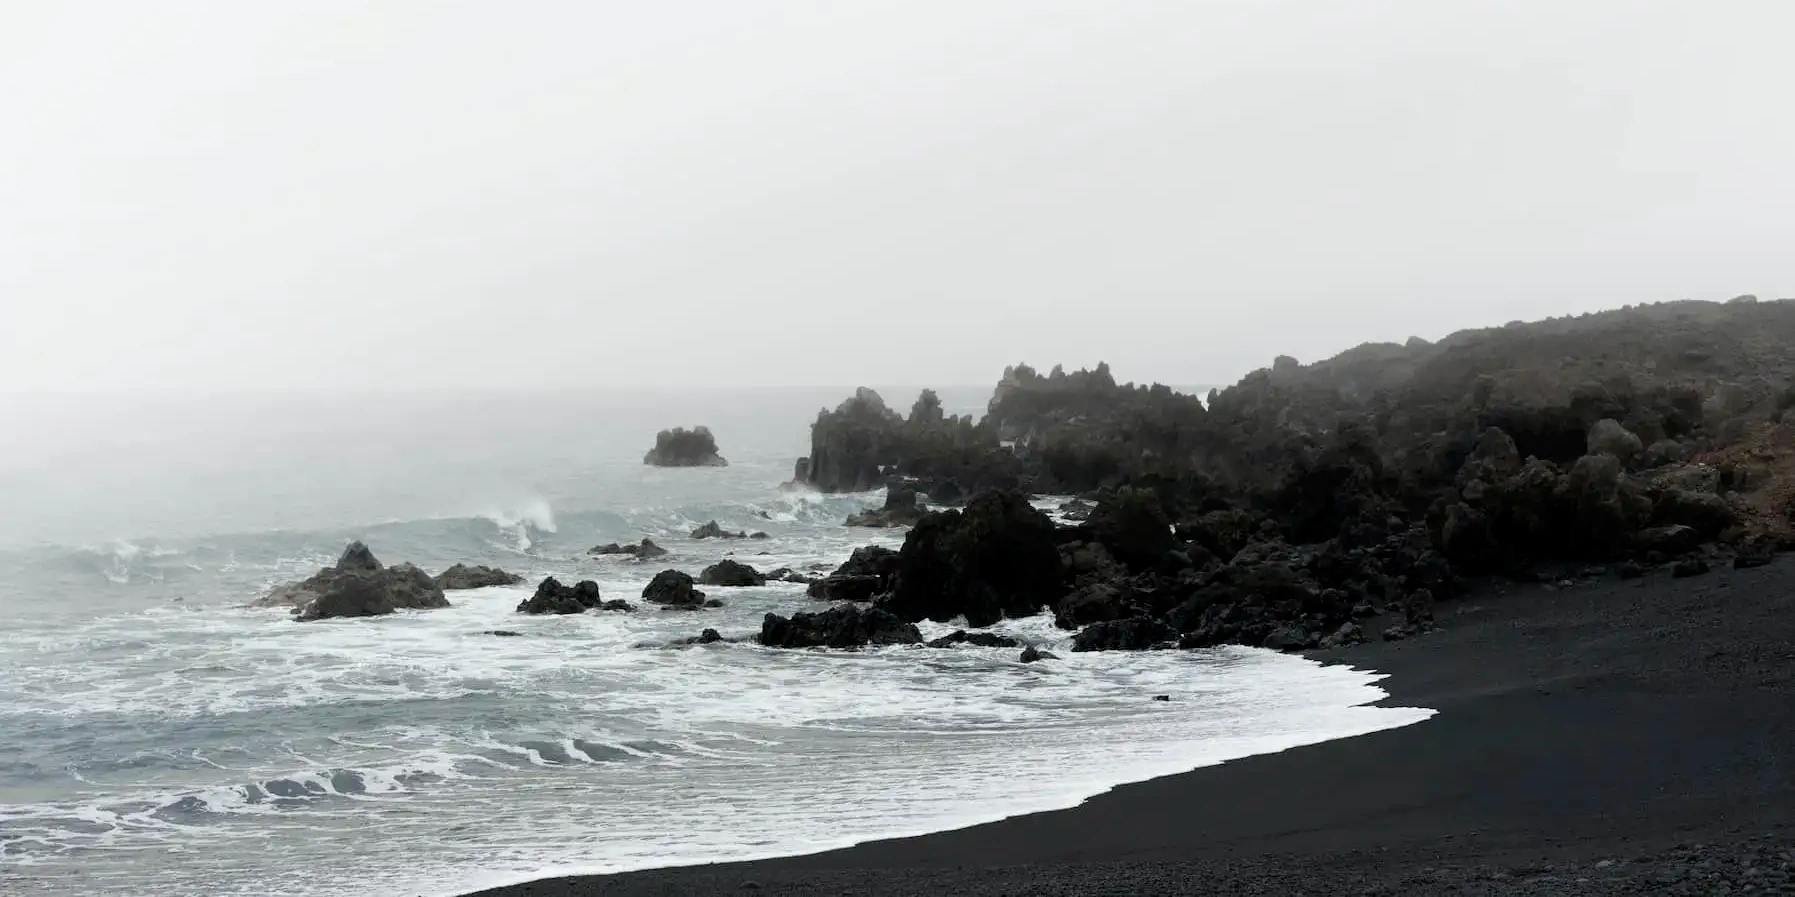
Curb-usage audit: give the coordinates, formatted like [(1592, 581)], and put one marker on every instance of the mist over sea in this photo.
[(157, 736)]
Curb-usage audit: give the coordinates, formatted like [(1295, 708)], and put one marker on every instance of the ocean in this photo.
[(158, 736)]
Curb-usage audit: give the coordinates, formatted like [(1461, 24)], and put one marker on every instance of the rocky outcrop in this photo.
[(712, 530), (901, 509), (554, 598), (842, 626), (1608, 437), (975, 639), (644, 550), (1289, 510), (680, 447), (863, 444), (462, 576), (869, 573), (731, 573), (1132, 634), (671, 588), (358, 586), (998, 557)]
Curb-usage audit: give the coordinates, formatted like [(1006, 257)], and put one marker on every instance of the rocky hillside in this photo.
[(1289, 508)]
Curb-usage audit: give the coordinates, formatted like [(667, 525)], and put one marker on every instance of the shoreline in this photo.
[(1623, 729), (509, 884)]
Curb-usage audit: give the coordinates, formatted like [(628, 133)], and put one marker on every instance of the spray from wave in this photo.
[(523, 522)]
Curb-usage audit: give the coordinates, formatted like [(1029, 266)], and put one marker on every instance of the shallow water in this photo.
[(157, 737)]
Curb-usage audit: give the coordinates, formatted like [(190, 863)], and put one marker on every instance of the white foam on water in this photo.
[(207, 747), (569, 749)]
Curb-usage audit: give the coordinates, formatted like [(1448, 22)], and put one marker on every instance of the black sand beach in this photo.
[(1609, 737)]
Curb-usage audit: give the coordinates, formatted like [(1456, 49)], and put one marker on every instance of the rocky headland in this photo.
[(1325, 504)]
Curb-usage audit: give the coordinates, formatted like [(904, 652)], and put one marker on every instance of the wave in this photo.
[(525, 523)]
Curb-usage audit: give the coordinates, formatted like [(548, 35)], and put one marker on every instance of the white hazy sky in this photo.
[(408, 193)]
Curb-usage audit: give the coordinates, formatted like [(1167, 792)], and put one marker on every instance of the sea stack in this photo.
[(680, 447)]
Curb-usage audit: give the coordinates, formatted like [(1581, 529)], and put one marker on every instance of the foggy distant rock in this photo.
[(680, 447), (358, 586)]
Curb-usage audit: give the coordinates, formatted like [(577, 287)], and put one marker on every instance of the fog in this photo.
[(333, 195)]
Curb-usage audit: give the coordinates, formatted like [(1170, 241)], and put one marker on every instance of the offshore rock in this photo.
[(680, 447), (462, 576), (842, 626), (358, 586), (673, 589), (731, 573)]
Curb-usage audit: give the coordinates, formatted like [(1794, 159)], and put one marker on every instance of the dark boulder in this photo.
[(1707, 513), (554, 598), (673, 589), (868, 573), (1134, 527), (1132, 634), (713, 531), (680, 447), (901, 509), (731, 573), (462, 576), (708, 637), (1032, 654), (976, 639), (358, 586), (998, 557), (842, 626), (1095, 602)]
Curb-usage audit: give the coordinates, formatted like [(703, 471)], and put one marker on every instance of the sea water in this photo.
[(158, 736)]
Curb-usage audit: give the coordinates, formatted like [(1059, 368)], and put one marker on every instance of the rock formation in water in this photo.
[(841, 626), (462, 576), (680, 447), (554, 598), (671, 588), (868, 573), (731, 573), (358, 586)]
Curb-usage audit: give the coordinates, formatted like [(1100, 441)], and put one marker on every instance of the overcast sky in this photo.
[(406, 194)]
